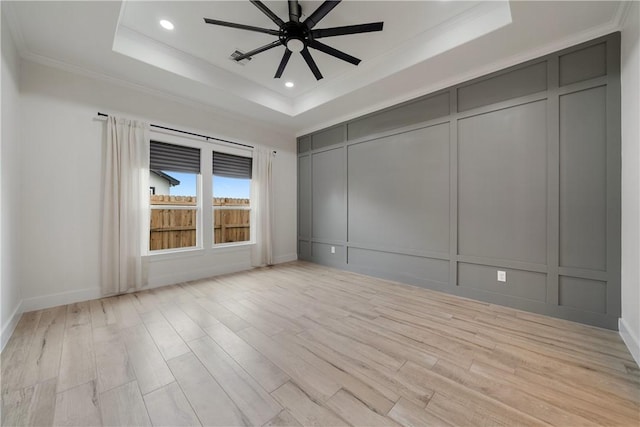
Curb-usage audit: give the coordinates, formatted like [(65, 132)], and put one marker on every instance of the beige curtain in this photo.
[(261, 252), (126, 205)]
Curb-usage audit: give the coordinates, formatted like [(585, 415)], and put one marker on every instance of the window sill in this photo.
[(175, 253), (232, 245)]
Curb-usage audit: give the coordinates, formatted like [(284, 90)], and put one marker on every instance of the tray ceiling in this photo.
[(413, 32), (424, 46)]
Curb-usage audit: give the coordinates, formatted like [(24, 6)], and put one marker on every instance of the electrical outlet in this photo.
[(333, 249), (502, 276)]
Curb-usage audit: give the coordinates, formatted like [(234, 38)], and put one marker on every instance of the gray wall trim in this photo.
[(584, 274), (389, 249), (398, 131), (421, 283), (614, 166), (553, 181), (345, 171), (503, 263), (588, 294), (516, 102), (328, 241), (583, 85), (453, 189)]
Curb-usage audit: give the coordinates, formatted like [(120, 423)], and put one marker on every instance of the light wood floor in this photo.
[(301, 344)]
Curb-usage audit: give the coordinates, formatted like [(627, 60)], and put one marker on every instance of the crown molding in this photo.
[(15, 28), (623, 12)]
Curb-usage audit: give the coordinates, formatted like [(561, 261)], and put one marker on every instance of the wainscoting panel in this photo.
[(422, 110), (519, 284), (415, 270), (328, 192), (583, 179), (502, 180), (304, 197), (514, 83), (583, 64), (583, 294), (408, 204)]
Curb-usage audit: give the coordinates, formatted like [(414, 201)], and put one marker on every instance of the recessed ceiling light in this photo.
[(289, 84), (167, 25)]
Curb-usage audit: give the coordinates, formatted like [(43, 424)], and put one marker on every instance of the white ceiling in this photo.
[(425, 46), (402, 21)]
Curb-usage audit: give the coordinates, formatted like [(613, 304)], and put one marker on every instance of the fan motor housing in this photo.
[(294, 30)]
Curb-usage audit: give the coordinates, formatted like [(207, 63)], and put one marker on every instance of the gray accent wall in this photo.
[(502, 183), (517, 171)]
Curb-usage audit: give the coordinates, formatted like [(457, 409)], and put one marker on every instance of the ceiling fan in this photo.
[(298, 36)]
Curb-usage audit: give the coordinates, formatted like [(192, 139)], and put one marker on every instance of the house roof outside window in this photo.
[(172, 181)]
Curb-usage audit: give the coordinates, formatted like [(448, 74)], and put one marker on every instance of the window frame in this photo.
[(186, 142), (204, 217), (199, 222), (241, 153)]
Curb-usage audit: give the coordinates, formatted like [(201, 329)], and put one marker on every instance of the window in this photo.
[(175, 208), (231, 198)]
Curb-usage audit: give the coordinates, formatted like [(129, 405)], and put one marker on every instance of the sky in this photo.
[(222, 187)]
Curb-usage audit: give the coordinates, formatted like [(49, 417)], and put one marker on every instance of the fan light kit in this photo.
[(289, 84), (298, 36), (167, 25), (295, 45)]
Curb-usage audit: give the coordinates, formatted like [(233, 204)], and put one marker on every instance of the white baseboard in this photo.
[(7, 330), (632, 342), (285, 258), (62, 298), (53, 300)]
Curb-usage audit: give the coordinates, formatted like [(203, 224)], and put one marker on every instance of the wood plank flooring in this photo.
[(302, 344)]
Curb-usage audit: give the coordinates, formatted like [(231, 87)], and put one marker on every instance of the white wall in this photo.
[(161, 185), (630, 66), (63, 146), (10, 160)]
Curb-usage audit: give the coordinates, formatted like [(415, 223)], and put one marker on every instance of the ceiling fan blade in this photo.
[(320, 13), (294, 11), (349, 29), (241, 26), (333, 52), (283, 63), (264, 9), (258, 50), (311, 63)]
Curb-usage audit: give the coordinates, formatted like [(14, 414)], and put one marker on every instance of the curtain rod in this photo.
[(191, 133)]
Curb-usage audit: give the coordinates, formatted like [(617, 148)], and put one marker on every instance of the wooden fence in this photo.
[(176, 228)]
